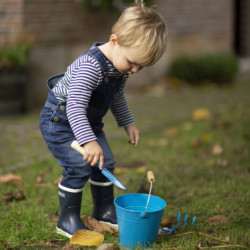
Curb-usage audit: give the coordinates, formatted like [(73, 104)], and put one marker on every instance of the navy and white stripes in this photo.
[(81, 78)]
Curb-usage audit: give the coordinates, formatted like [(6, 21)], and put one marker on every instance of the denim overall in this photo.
[(58, 135)]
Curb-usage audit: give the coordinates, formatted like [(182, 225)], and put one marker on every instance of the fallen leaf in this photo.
[(227, 239), (201, 114), (108, 246), (217, 149), (174, 82), (217, 219), (11, 179), (95, 225), (168, 222), (39, 178), (195, 143), (221, 162), (13, 196), (41, 201), (172, 131), (210, 162), (118, 171), (188, 126), (141, 169), (87, 238), (58, 180), (205, 138)]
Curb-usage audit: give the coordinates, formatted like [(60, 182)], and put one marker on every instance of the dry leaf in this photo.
[(39, 178), (188, 126), (87, 238), (11, 179), (195, 143), (58, 180), (172, 131), (217, 219), (227, 239), (95, 225), (168, 222), (13, 196), (201, 114), (217, 149), (221, 162), (108, 246)]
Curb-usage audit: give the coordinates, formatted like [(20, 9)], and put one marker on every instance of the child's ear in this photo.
[(113, 39)]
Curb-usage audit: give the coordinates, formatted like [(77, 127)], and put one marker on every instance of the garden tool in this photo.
[(151, 178), (104, 171), (174, 228)]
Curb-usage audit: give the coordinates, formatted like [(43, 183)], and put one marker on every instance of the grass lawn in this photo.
[(201, 168)]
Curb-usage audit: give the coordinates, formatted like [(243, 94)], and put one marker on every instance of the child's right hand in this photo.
[(93, 153)]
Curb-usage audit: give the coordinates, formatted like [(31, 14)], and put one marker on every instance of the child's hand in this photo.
[(134, 134), (93, 153)]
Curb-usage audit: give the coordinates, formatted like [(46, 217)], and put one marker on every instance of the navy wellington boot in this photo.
[(70, 205), (103, 202)]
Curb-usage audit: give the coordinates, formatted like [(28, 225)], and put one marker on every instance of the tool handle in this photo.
[(150, 176), (75, 145)]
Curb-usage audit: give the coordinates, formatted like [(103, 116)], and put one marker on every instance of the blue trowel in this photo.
[(75, 145)]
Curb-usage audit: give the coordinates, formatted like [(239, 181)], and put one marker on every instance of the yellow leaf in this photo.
[(87, 238), (206, 138), (118, 171), (201, 114), (141, 169)]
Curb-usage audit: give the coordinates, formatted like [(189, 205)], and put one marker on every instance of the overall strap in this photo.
[(100, 57)]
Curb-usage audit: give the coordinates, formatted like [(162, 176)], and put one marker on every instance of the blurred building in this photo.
[(63, 29)]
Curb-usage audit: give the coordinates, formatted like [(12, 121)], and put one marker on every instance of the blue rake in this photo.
[(174, 228)]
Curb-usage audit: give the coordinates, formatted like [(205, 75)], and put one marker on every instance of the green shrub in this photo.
[(15, 57), (217, 68)]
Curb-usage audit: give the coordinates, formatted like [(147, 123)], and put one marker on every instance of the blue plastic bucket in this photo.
[(135, 227)]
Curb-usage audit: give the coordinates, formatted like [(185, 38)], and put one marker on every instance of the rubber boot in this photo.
[(103, 203), (70, 205)]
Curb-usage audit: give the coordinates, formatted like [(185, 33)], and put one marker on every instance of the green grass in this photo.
[(191, 179)]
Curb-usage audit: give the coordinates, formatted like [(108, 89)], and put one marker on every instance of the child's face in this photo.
[(127, 59)]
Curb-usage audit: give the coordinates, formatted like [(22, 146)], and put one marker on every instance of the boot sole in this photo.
[(60, 231)]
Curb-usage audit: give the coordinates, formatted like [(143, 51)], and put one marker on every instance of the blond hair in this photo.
[(140, 26)]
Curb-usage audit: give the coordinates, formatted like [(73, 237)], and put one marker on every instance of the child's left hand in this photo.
[(134, 134)]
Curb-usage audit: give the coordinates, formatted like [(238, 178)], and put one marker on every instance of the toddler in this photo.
[(79, 98)]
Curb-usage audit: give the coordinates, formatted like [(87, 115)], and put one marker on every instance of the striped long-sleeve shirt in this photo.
[(82, 77)]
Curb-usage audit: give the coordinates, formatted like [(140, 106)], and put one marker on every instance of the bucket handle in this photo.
[(151, 179)]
